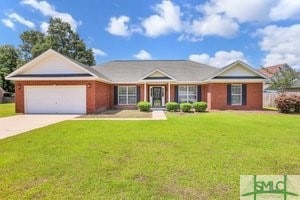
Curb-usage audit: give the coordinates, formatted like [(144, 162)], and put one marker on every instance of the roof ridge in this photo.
[(191, 61), (277, 65), (133, 60)]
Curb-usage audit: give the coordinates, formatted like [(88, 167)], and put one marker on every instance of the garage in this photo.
[(67, 99)]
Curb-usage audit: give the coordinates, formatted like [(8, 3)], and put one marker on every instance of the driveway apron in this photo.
[(14, 125)]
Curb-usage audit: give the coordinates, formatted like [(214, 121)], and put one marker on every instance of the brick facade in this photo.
[(100, 96)]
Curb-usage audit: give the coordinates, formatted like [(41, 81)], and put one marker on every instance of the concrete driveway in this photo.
[(17, 124)]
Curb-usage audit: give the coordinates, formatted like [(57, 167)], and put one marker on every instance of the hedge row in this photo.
[(186, 107), (173, 106)]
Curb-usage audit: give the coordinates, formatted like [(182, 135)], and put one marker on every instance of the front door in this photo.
[(156, 96)]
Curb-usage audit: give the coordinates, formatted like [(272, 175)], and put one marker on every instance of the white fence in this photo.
[(269, 98)]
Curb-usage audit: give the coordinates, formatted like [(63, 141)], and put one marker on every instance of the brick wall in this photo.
[(217, 97), (97, 94), (102, 96), (172, 92), (204, 93)]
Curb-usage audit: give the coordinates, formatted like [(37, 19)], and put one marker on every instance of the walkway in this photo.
[(158, 115)]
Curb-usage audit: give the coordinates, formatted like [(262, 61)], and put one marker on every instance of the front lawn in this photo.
[(196, 156), (7, 109)]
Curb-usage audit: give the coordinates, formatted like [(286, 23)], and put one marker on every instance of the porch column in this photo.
[(145, 92), (169, 92)]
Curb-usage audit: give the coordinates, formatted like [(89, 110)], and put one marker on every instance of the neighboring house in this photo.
[(296, 85), (1, 94), (271, 70), (53, 83)]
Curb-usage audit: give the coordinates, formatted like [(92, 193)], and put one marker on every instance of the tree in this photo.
[(8, 63), (283, 79), (60, 38), (31, 44)]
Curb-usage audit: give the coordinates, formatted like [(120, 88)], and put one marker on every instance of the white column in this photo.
[(145, 92), (169, 92)]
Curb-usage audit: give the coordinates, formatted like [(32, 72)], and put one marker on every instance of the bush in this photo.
[(286, 104), (186, 107), (172, 106), (200, 106), (297, 104), (144, 106)]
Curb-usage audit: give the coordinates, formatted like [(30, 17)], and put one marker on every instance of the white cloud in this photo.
[(166, 20), (98, 52), (220, 59), (44, 27), (213, 17), (286, 9), (18, 18), (143, 55), (281, 44), (49, 10), (254, 10), (214, 25), (243, 11), (8, 23), (119, 26)]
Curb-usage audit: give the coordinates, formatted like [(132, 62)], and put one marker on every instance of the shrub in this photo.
[(200, 106), (286, 104), (297, 105), (283, 104), (172, 106), (144, 106), (185, 107)]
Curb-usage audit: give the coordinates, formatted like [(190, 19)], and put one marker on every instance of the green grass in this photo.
[(193, 156), (7, 109)]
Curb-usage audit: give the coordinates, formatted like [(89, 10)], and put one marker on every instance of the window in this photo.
[(236, 94), (187, 94), (127, 95)]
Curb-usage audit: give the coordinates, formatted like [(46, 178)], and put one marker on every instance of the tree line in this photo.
[(59, 37)]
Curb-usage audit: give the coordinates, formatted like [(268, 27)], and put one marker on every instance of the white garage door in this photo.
[(55, 99)]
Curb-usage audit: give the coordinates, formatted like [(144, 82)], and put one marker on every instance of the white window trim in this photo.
[(241, 95), (187, 92), (127, 95)]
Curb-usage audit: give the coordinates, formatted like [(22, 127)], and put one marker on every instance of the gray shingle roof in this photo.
[(133, 70)]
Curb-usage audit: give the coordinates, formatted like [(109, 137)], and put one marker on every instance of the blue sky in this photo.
[(214, 32)]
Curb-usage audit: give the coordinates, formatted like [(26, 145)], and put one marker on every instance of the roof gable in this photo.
[(52, 64), (157, 75), (238, 70)]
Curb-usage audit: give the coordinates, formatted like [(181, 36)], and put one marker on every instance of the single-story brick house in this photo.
[(53, 83)]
